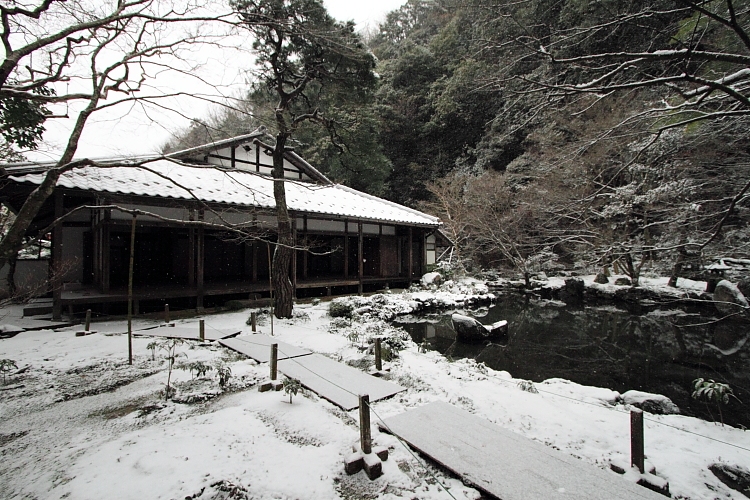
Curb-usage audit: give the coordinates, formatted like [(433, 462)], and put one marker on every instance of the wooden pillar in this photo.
[(191, 251), (365, 436), (423, 260), (346, 249), (255, 262), (96, 237), (294, 256), (273, 362), (380, 251), (56, 268), (106, 250), (378, 359), (411, 253), (360, 245), (234, 157), (200, 257), (305, 254), (636, 439)]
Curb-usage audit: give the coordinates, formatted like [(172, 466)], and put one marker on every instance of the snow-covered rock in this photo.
[(652, 403), (432, 279), (470, 330), (728, 299)]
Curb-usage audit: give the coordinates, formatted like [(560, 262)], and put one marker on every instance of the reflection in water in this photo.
[(660, 352)]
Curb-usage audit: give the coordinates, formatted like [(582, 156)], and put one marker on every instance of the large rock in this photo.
[(470, 330), (623, 281), (601, 278), (736, 477), (572, 292), (652, 403), (728, 299), (432, 278)]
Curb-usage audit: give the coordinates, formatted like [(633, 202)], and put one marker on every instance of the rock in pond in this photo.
[(470, 330), (653, 403), (623, 281), (728, 298), (572, 292)]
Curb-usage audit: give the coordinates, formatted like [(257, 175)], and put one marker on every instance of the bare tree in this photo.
[(106, 53)]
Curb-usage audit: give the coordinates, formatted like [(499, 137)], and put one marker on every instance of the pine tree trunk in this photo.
[(282, 256)]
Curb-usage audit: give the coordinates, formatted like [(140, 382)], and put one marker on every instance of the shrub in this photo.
[(291, 387), (224, 371), (340, 309), (235, 305), (713, 392), (199, 367)]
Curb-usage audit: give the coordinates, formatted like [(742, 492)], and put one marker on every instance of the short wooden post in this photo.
[(365, 438), (254, 320), (274, 360), (202, 329), (88, 320), (636, 439), (166, 313), (378, 360)]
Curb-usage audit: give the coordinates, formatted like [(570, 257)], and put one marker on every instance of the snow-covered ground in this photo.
[(81, 423)]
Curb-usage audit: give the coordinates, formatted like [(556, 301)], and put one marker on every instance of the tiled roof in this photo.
[(170, 179)]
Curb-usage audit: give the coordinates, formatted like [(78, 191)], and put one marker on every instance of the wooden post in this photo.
[(202, 330), (274, 360), (378, 359), (636, 439), (166, 313), (88, 320), (365, 437), (56, 268), (254, 320), (130, 291)]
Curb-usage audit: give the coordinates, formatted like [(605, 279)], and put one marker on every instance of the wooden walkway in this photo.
[(258, 347), (187, 332), (338, 383), (504, 464)]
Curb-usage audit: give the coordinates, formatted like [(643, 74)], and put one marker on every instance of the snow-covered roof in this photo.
[(166, 178)]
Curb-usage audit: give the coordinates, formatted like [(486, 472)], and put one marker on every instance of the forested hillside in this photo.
[(548, 132)]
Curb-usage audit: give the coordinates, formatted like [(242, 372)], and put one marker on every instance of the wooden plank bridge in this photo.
[(338, 383), (189, 331), (502, 463)]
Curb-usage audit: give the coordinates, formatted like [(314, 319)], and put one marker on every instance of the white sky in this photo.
[(126, 130)]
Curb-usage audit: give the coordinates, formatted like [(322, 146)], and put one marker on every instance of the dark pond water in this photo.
[(661, 352)]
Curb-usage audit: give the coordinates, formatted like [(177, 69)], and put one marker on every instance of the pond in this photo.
[(661, 351)]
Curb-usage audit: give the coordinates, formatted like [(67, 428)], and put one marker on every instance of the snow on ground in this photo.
[(81, 423)]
